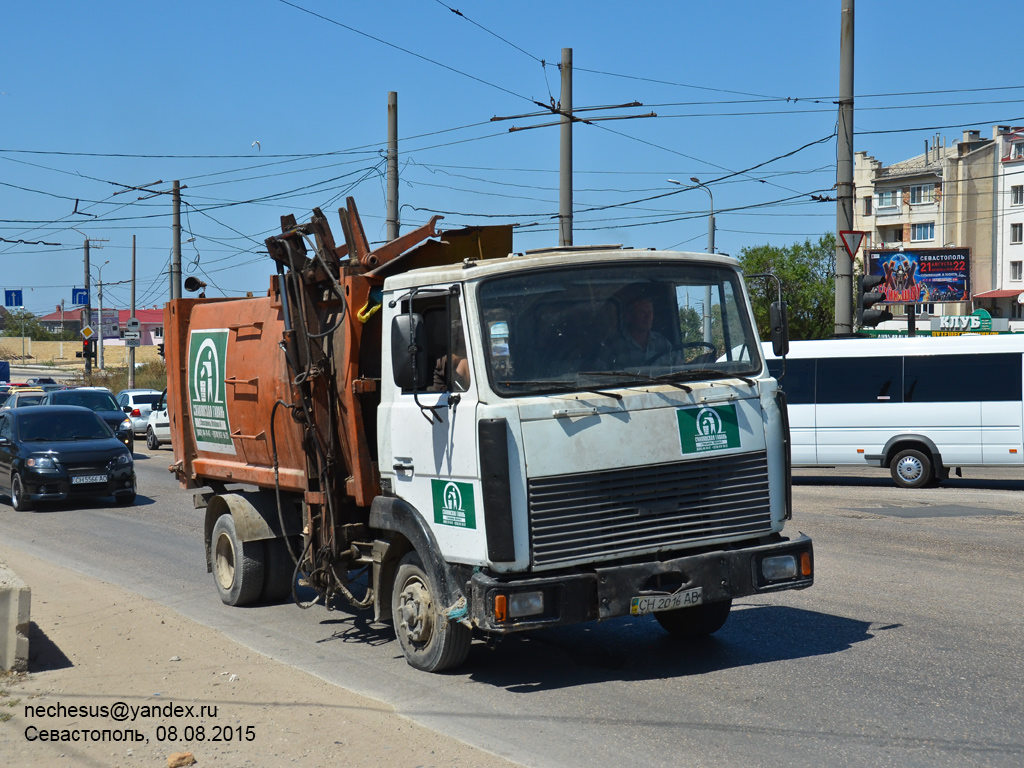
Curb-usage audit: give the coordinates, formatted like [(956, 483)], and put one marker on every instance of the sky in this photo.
[(265, 108)]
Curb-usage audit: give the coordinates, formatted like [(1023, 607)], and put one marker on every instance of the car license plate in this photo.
[(82, 479), (638, 606)]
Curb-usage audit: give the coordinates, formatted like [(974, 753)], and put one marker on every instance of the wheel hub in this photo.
[(415, 621), (909, 469), (224, 562)]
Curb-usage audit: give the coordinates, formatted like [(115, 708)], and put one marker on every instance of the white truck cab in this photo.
[(591, 433)]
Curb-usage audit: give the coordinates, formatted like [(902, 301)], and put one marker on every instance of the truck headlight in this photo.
[(518, 604), (779, 568)]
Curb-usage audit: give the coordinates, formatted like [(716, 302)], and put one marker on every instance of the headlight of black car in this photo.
[(122, 459), (41, 463)]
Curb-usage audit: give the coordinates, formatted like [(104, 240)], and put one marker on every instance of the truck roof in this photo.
[(567, 256)]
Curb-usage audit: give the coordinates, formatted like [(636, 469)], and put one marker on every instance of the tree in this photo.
[(21, 322), (807, 272)]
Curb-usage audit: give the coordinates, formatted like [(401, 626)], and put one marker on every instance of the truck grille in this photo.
[(624, 512)]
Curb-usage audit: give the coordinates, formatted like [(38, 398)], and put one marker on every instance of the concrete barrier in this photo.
[(15, 601)]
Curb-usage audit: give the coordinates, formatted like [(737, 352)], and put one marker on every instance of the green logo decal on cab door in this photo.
[(453, 503)]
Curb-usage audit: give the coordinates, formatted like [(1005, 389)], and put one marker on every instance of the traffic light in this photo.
[(866, 298), (88, 349), (160, 349)]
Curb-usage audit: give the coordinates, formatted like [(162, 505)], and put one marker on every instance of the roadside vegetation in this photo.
[(148, 376)]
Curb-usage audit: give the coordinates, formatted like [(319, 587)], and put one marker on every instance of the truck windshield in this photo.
[(583, 328)]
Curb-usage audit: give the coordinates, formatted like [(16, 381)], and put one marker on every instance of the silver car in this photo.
[(138, 404)]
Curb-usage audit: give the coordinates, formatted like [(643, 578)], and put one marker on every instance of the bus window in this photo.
[(945, 378), (860, 380), (798, 383)]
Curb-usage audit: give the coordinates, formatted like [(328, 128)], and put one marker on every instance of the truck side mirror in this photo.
[(409, 352), (778, 319)]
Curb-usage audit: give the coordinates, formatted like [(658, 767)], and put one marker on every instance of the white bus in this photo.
[(917, 406)]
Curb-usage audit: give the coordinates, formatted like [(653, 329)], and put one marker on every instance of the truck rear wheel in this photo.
[(237, 564), (698, 621), (278, 570), (429, 640)]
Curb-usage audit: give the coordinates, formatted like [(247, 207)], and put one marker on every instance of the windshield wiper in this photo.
[(563, 382), (647, 378), (696, 373)]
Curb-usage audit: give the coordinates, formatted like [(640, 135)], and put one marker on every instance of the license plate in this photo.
[(638, 606), (81, 479)]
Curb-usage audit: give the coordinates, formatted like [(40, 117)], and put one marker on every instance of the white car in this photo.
[(158, 430), (138, 404)]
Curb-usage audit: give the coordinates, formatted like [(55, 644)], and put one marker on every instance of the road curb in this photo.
[(15, 602)]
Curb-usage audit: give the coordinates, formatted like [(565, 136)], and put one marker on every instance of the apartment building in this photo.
[(969, 194), (941, 198)]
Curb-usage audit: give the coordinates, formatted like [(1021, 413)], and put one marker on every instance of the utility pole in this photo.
[(175, 292), (564, 109), (99, 345), (393, 225), (565, 154), (131, 316), (87, 318), (88, 309), (844, 174)]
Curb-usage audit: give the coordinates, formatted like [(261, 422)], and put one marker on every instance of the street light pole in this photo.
[(711, 248), (99, 347)]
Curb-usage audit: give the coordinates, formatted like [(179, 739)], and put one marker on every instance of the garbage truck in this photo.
[(472, 442)]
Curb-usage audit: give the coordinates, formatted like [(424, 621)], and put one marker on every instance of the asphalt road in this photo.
[(908, 651)]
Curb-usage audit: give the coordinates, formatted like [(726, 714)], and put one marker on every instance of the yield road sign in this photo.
[(851, 241)]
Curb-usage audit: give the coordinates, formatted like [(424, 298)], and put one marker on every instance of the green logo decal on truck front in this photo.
[(207, 355), (453, 503), (708, 428)]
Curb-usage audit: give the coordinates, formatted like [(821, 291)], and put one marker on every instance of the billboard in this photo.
[(921, 275)]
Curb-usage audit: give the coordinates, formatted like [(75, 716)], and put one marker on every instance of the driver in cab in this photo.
[(637, 343)]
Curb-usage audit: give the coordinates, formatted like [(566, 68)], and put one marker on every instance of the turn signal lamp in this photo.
[(500, 608), (805, 564)]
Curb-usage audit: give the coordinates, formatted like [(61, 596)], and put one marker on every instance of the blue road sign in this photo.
[(13, 298), (80, 297)]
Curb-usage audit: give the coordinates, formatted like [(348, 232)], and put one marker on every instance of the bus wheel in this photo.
[(911, 469)]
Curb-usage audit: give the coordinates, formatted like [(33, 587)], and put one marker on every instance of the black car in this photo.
[(100, 401), (52, 453)]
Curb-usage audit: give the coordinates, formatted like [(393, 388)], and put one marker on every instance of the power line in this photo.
[(492, 34), (405, 50)]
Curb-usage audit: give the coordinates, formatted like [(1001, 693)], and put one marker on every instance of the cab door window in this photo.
[(445, 340)]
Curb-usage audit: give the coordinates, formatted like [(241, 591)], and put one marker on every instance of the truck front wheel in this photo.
[(698, 621), (429, 640), (237, 564)]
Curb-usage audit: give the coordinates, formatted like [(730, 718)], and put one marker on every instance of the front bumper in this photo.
[(58, 486), (604, 593)]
